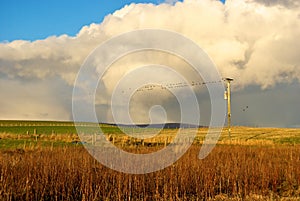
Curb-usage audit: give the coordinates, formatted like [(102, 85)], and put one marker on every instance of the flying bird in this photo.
[(244, 109)]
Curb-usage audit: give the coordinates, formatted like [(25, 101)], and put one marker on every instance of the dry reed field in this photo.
[(255, 164), (229, 173)]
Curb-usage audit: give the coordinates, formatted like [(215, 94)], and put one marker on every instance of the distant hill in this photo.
[(167, 125)]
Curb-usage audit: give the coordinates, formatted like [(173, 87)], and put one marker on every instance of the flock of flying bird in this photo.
[(150, 87)]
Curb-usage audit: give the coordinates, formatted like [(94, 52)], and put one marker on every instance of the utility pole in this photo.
[(227, 96)]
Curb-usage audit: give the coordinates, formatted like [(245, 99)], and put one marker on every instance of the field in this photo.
[(45, 161)]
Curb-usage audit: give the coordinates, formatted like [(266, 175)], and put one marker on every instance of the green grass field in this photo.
[(21, 134)]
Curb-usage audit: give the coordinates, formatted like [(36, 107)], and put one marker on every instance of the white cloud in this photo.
[(241, 37)]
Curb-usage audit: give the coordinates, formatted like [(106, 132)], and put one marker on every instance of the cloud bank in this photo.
[(254, 41)]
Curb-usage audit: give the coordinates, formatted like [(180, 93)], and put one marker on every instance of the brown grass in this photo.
[(228, 173)]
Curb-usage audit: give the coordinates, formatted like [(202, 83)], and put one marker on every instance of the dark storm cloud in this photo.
[(285, 3)]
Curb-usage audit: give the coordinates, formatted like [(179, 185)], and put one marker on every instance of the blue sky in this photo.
[(32, 20)]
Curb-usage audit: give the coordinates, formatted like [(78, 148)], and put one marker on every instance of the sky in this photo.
[(43, 45), (33, 20)]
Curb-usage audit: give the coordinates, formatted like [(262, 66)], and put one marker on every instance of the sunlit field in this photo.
[(46, 161)]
